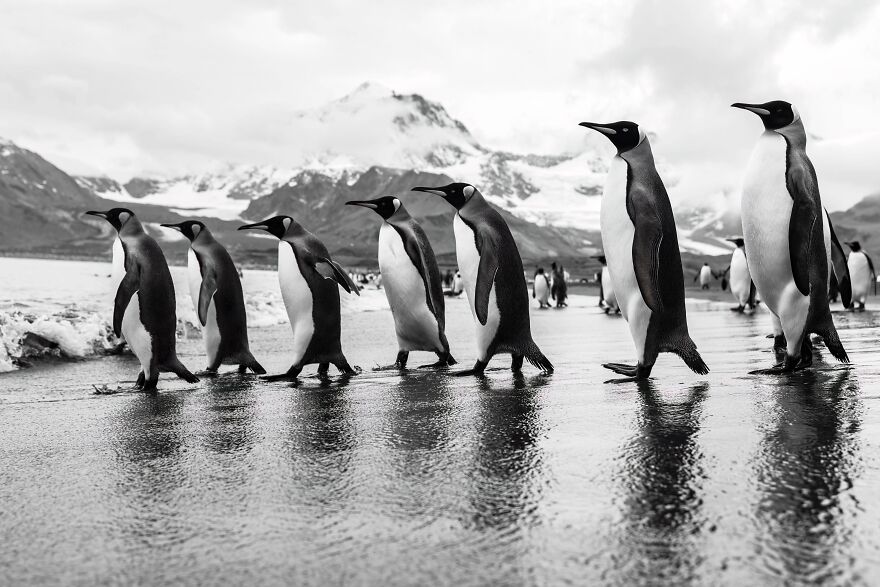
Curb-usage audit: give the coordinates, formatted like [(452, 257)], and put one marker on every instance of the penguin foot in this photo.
[(738, 309), (789, 365), (478, 369), (279, 377), (392, 367), (207, 373), (438, 365), (633, 371), (466, 372)]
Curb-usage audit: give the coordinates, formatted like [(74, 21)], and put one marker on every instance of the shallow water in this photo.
[(421, 478)]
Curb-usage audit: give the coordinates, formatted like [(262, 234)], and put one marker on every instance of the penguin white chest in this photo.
[(297, 298), (210, 331), (469, 265), (118, 270), (860, 275), (618, 231), (740, 280), (416, 326), (766, 215)]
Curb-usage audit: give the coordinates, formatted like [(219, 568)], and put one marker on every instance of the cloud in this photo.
[(174, 86)]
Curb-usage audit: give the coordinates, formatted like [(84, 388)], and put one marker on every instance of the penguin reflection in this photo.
[(229, 415), (805, 466), (322, 439), (662, 478), (150, 468), (507, 481)]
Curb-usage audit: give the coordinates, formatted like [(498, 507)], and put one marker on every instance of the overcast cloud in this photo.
[(105, 86)]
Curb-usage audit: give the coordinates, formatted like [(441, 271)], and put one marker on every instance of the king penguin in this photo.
[(741, 285), (217, 297), (861, 271), (840, 278), (144, 310), (494, 279), (308, 279), (641, 246), (607, 299), (412, 284), (787, 235)]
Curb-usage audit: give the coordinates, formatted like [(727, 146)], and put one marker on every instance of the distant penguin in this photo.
[(741, 285), (787, 235), (607, 299), (412, 283), (641, 246), (145, 311), (705, 276), (840, 282), (861, 272), (541, 288), (493, 279), (308, 279), (217, 297)]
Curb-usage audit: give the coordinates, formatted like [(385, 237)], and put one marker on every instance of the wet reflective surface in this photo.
[(426, 479)]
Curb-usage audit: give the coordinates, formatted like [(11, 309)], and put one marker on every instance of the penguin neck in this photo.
[(203, 239), (639, 156), (132, 227), (476, 204), (794, 133), (400, 216)]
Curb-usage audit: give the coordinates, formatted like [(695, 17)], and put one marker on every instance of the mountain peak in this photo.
[(368, 91)]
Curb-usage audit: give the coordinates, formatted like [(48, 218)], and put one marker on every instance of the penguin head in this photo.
[(384, 207), (457, 194), (738, 241), (188, 228), (625, 135), (276, 226), (775, 115), (118, 217), (854, 245)]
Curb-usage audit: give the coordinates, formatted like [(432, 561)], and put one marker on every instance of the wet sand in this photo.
[(421, 478)]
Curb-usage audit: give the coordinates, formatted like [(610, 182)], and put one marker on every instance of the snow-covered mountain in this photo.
[(375, 126)]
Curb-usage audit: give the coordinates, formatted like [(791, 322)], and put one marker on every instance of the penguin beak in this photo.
[(433, 191), (363, 204), (605, 130), (755, 108), (98, 214), (254, 226), (176, 227)]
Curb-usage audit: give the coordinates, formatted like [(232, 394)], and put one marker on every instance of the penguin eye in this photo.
[(625, 129)]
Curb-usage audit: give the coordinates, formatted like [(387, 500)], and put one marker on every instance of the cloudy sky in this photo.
[(166, 86)]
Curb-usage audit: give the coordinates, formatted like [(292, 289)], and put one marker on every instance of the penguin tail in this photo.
[(687, 351), (534, 356), (248, 361), (450, 360), (832, 341), (176, 367)]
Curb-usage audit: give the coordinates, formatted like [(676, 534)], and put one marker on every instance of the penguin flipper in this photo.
[(803, 189), (127, 288), (646, 246), (206, 293), (839, 267), (418, 249), (331, 270), (485, 280)]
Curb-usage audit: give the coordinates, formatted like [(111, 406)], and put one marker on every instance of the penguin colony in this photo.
[(788, 257)]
